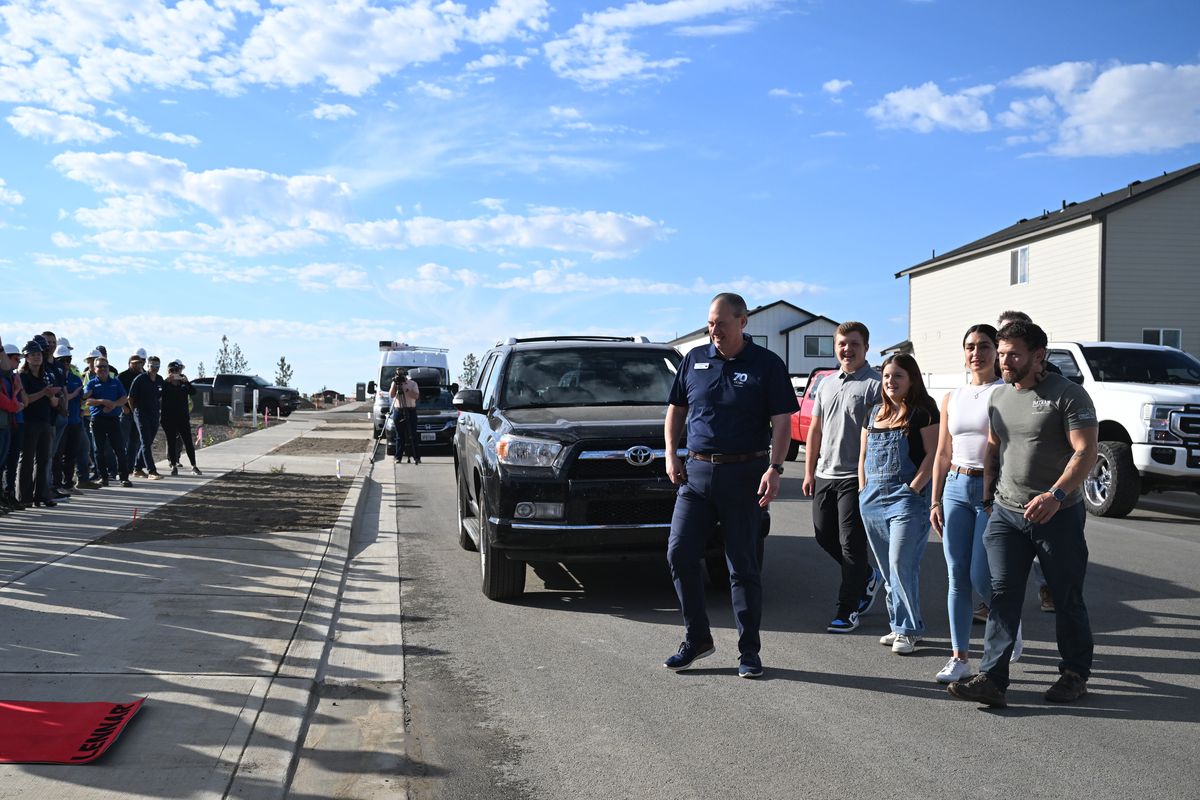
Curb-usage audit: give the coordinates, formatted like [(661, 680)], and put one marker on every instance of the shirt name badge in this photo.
[(700, 365)]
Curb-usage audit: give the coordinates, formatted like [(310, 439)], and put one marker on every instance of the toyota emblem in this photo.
[(639, 455)]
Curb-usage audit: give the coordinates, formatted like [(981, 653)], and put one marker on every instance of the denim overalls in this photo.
[(897, 523)]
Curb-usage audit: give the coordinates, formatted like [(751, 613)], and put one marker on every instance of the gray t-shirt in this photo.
[(842, 403), (1032, 426)]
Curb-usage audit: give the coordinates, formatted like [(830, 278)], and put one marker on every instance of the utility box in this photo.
[(238, 401), (216, 415), (360, 392)]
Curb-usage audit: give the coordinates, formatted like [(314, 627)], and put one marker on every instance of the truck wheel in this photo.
[(793, 450), (287, 412), (503, 579), (464, 512), (1113, 486)]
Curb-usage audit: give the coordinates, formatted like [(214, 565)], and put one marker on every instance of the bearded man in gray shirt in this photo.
[(1042, 444)]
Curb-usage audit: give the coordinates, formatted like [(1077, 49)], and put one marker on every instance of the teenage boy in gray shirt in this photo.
[(840, 406), (1042, 444)]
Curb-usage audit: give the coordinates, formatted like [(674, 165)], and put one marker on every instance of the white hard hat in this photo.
[(95, 354), (141, 353), (62, 351), (64, 342)]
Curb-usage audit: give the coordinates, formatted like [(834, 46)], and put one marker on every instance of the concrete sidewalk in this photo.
[(225, 635)]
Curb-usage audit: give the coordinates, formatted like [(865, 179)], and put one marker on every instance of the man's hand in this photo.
[(768, 487), (675, 469), (810, 485), (1041, 508)]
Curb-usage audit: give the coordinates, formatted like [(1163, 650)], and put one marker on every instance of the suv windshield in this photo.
[(1135, 365), (589, 376), (435, 398)]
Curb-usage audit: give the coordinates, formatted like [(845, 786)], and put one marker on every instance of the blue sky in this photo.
[(309, 177)]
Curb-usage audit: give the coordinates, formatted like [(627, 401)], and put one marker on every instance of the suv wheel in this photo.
[(464, 513), (503, 579), (1113, 486)]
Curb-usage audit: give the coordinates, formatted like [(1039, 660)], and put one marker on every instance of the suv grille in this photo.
[(610, 468), (630, 512)]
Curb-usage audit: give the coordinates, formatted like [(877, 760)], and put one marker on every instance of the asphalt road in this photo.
[(562, 694)]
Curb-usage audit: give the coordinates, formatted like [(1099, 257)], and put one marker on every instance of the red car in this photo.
[(802, 419)]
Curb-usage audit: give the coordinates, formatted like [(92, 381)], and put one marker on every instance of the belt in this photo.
[(970, 472), (727, 458)]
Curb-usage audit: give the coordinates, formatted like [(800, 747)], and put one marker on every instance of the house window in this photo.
[(1019, 266), (818, 347), (761, 341), (1167, 337)]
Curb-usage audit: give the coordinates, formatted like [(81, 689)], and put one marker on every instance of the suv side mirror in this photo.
[(469, 401), (371, 387)]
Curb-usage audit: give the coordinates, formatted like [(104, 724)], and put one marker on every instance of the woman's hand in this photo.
[(937, 519)]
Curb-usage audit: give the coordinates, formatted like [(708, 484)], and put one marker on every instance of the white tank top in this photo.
[(968, 424)]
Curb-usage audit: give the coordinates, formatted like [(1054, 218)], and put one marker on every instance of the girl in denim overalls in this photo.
[(899, 441)]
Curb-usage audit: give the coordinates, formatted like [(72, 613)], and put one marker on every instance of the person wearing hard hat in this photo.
[(129, 432), (67, 455), (9, 360), (10, 406)]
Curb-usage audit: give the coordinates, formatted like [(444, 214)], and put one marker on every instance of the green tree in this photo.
[(230, 359), (470, 369), (283, 373), (200, 370)]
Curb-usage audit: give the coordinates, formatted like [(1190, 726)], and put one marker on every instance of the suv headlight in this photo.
[(1158, 422), (525, 451)]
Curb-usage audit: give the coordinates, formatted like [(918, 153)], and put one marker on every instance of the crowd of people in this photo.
[(996, 469), (63, 429)]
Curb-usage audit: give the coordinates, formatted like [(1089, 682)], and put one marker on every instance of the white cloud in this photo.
[(432, 90), (829, 135), (785, 93), (602, 234), (1024, 113), (9, 197), (332, 111), (562, 278), (491, 203), (725, 29), (92, 265), (145, 130), (508, 265), (40, 123), (320, 277), (836, 86), (496, 61), (1061, 80), (565, 113), (926, 108), (598, 51)]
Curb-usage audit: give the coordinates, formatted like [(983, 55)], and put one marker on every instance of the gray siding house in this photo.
[(1123, 266), (803, 340)]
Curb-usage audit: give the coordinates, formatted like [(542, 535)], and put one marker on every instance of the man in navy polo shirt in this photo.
[(104, 396), (734, 398)]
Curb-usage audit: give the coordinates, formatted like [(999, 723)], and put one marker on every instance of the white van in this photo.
[(397, 355)]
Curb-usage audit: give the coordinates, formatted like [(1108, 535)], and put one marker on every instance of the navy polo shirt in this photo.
[(39, 411), (730, 402), (73, 415), (111, 389)]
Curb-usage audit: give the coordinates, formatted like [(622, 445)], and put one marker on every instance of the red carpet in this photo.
[(60, 733)]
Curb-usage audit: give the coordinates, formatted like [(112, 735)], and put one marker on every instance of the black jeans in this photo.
[(175, 430), (1012, 543), (68, 455), (107, 431), (839, 531), (406, 432), (35, 458)]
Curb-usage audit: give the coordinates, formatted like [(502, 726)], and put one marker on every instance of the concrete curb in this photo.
[(268, 761)]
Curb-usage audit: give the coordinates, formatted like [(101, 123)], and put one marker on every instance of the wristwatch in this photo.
[(1057, 494), (778, 468)]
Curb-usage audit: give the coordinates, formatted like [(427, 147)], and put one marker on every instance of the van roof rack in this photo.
[(515, 340), (390, 346)]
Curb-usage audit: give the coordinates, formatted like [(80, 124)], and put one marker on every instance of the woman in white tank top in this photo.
[(957, 512)]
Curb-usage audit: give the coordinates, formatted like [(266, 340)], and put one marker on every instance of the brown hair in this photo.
[(847, 328), (916, 397)]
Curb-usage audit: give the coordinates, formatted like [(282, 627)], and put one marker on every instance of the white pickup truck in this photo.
[(1148, 404)]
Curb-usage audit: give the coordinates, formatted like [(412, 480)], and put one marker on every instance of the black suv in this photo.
[(559, 454)]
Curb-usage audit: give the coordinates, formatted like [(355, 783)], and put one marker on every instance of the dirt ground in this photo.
[(213, 434), (242, 504), (313, 446)]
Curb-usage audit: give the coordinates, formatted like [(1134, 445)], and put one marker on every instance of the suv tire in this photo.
[(464, 513), (1113, 486), (503, 579)]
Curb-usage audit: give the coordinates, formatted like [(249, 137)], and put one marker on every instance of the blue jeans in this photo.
[(897, 523), (133, 442), (147, 428), (1012, 543), (966, 559), (725, 493)]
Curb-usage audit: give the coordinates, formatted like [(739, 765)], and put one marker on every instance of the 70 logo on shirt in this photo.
[(740, 378)]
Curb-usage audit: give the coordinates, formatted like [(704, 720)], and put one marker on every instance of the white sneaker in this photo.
[(887, 640), (1018, 646), (905, 644), (955, 669)]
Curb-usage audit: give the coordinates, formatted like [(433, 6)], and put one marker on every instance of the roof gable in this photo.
[(1095, 208)]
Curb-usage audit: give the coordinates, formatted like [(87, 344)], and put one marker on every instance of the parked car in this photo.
[(802, 418), (278, 400), (559, 456), (1148, 404)]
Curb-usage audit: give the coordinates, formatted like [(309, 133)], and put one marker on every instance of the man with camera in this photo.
[(404, 394)]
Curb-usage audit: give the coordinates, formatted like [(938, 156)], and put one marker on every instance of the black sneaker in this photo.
[(174, 470), (1070, 687), (843, 623), (978, 689), (103, 483), (689, 654), (750, 666), (872, 591)]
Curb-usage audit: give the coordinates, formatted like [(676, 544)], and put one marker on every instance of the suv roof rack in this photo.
[(514, 340)]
